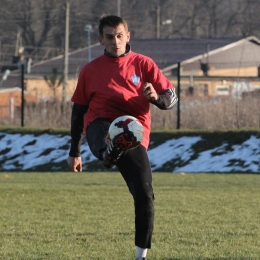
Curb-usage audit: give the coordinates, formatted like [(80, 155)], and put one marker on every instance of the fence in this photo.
[(195, 113)]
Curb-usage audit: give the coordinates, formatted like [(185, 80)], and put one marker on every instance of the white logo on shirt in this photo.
[(135, 79)]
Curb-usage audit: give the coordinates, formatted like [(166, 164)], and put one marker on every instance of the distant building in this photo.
[(11, 98), (209, 67)]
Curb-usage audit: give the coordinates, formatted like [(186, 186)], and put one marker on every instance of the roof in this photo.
[(170, 51), (166, 53), (242, 53)]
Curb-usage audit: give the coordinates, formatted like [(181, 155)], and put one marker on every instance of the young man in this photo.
[(120, 82)]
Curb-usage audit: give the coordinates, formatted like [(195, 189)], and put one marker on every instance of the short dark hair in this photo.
[(111, 20)]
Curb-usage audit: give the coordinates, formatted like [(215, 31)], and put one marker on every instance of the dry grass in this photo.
[(196, 113), (211, 113), (43, 115)]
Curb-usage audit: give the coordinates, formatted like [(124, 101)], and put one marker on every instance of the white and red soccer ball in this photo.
[(126, 123)]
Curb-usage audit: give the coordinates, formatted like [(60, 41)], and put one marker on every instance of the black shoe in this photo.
[(121, 143)]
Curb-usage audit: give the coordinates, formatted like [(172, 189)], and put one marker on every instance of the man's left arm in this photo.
[(165, 100)]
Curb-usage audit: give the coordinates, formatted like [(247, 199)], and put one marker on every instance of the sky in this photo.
[(23, 152)]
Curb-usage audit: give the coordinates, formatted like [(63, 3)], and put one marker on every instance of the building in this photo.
[(11, 98), (208, 67)]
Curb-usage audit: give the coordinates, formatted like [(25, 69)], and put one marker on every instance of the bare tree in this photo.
[(249, 18), (54, 80), (34, 19), (41, 23)]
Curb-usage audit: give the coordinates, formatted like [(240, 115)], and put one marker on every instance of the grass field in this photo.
[(90, 216)]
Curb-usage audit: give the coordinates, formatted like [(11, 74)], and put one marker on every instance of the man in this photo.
[(120, 82)]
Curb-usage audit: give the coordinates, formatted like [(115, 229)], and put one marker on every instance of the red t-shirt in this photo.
[(112, 87)]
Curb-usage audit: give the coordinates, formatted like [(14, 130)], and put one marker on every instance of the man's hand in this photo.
[(149, 92), (75, 164)]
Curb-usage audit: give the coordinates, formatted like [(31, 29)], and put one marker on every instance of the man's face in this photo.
[(114, 39)]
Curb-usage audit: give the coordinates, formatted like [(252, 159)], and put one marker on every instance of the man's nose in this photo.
[(115, 40)]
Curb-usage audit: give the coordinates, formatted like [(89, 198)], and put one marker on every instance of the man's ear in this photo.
[(128, 37), (100, 40)]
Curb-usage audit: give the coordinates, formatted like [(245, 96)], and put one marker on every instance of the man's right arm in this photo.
[(77, 127)]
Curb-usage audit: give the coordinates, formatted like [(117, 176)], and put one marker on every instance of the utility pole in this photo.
[(18, 42), (119, 8), (88, 29), (66, 56), (158, 22), (22, 95), (179, 95)]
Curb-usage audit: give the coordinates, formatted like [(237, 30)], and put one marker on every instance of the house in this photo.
[(208, 67), (11, 98), (228, 70)]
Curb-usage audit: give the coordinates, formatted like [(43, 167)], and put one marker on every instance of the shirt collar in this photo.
[(127, 51)]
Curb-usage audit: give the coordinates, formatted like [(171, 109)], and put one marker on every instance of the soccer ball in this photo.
[(126, 123)]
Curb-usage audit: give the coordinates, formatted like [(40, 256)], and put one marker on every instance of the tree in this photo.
[(35, 21), (41, 23), (54, 80)]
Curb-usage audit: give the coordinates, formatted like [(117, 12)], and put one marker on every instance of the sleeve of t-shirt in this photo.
[(166, 100), (80, 95)]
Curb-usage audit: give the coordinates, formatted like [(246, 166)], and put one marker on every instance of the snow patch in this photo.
[(24, 152)]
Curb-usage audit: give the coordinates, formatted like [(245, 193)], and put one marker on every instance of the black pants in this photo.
[(135, 168)]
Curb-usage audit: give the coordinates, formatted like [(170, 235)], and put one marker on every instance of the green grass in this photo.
[(90, 216)]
